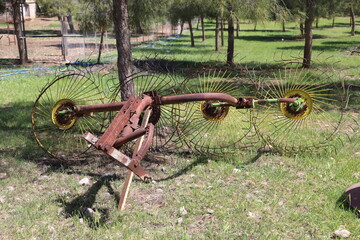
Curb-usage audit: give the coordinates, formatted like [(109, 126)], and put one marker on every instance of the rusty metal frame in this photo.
[(125, 126)]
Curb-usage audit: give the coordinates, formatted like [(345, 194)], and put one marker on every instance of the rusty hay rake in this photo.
[(214, 111)]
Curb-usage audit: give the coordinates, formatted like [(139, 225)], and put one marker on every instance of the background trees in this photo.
[(184, 11), (63, 9), (2, 6), (97, 16)]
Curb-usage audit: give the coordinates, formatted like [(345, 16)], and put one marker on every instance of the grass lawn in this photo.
[(249, 195)]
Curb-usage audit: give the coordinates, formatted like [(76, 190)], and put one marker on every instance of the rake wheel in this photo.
[(210, 130), (309, 125), (56, 128)]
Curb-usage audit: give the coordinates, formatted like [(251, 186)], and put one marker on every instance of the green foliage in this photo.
[(59, 8), (2, 6), (183, 10), (97, 15), (143, 13)]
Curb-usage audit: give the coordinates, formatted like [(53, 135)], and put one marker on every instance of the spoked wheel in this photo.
[(212, 127), (309, 124), (57, 129), (164, 117)]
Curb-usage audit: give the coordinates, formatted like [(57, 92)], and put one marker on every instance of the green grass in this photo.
[(270, 196), (267, 47)]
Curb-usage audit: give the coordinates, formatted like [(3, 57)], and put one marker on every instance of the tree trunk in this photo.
[(203, 28), (181, 27), (283, 26), (301, 30), (71, 24), (310, 5), (230, 49), (317, 22), (255, 25), (333, 22), (197, 25), (123, 48), (350, 22), (15, 5), (222, 32), (352, 16), (217, 45), (101, 45), (237, 28), (191, 33)]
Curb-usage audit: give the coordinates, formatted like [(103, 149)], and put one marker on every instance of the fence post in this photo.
[(64, 32)]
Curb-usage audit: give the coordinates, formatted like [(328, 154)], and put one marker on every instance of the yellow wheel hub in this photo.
[(300, 113), (212, 113), (63, 114)]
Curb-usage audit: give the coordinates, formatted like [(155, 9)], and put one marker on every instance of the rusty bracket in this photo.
[(245, 103), (126, 161), (145, 145), (129, 137), (120, 121), (156, 98)]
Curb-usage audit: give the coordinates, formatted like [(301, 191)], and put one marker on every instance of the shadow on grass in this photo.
[(6, 63), (279, 37), (166, 65), (82, 206), (34, 32), (326, 46), (200, 160), (343, 203)]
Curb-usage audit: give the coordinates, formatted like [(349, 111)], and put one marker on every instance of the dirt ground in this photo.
[(49, 49)]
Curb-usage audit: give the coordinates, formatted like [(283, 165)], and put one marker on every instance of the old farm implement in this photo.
[(214, 111)]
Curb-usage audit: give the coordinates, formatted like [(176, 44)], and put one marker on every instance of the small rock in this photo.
[(81, 220), (84, 181), (179, 220), (163, 169), (236, 170), (65, 192), (209, 187), (2, 199), (153, 182), (251, 214), (3, 175), (106, 175), (356, 175), (342, 233), (90, 211), (266, 149), (60, 211), (11, 188), (43, 177), (51, 228), (159, 190), (210, 211), (301, 175), (183, 211)]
